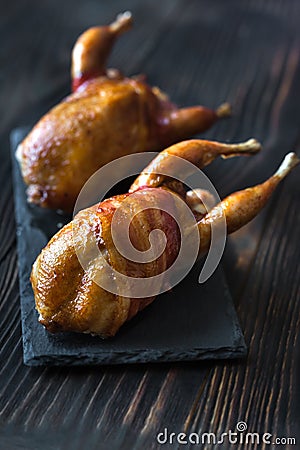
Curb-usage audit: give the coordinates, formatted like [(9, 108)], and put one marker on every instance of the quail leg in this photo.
[(93, 47), (196, 151), (242, 206)]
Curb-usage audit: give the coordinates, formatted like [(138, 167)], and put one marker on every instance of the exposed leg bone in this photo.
[(242, 206)]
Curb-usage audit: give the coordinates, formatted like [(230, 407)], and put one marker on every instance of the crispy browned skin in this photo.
[(67, 298), (106, 117), (106, 120)]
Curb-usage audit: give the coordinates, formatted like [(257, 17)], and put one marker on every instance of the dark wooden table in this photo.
[(198, 51)]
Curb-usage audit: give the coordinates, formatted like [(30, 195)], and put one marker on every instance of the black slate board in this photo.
[(191, 322)]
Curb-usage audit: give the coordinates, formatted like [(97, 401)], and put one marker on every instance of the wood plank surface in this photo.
[(199, 52)]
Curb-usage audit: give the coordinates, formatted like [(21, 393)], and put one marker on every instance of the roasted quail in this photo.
[(107, 116), (66, 296)]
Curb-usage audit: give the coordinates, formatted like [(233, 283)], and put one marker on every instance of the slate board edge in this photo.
[(137, 358), (27, 346)]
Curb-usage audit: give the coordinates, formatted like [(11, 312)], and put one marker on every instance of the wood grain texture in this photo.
[(198, 51)]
